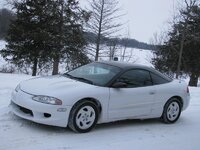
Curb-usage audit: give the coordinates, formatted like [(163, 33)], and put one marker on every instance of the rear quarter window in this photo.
[(158, 79)]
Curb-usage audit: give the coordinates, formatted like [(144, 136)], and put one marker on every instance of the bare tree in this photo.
[(126, 55), (124, 47), (113, 47), (103, 21)]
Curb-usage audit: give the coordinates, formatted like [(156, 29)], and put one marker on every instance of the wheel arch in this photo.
[(78, 103), (164, 117), (179, 98), (90, 99)]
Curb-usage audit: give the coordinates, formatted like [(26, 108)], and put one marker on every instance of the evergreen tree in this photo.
[(69, 39), (168, 54), (27, 36), (45, 31)]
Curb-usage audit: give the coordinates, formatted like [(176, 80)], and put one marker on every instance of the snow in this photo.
[(141, 56), (20, 134), (2, 45)]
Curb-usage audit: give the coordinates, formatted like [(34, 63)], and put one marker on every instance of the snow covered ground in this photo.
[(19, 134)]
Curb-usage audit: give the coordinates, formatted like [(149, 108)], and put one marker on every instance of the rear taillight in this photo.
[(188, 91)]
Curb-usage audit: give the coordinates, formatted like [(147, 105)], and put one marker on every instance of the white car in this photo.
[(100, 92)]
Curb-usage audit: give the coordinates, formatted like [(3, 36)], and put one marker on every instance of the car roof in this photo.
[(127, 66), (124, 65)]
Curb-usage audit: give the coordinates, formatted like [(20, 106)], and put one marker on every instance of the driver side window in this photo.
[(136, 78)]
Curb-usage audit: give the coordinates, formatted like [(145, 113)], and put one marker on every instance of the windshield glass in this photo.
[(94, 73)]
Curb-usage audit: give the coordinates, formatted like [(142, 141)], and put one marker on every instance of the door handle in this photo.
[(152, 93)]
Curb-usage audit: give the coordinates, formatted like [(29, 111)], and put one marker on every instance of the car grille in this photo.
[(24, 110)]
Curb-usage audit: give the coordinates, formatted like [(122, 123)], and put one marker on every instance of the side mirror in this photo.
[(119, 85)]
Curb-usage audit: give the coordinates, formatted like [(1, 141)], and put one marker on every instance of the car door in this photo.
[(135, 98)]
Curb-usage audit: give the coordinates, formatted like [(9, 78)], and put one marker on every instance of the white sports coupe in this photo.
[(100, 92)]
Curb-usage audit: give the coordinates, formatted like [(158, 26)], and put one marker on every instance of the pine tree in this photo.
[(168, 54), (69, 40), (45, 31), (27, 36)]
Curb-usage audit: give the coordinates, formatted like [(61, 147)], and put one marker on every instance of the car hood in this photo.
[(51, 85)]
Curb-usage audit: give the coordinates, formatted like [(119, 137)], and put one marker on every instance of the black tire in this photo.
[(83, 117), (172, 111)]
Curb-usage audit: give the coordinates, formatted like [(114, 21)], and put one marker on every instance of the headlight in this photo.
[(17, 88), (47, 100)]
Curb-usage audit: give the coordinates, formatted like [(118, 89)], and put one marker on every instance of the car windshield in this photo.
[(94, 73)]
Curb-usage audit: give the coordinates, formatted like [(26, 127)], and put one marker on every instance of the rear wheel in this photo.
[(83, 117), (172, 111)]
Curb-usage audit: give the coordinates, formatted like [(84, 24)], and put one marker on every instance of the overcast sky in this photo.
[(144, 17)]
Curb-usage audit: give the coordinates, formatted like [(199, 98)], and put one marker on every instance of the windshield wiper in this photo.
[(83, 79), (68, 75), (79, 78)]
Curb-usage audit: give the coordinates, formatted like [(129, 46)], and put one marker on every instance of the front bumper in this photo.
[(23, 106)]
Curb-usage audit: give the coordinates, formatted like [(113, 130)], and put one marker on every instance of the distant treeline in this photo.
[(128, 42), (7, 15)]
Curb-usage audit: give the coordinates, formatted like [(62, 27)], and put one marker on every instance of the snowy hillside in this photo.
[(134, 55), (19, 134)]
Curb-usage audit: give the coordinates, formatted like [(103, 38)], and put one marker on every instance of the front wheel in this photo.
[(172, 111), (83, 117)]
